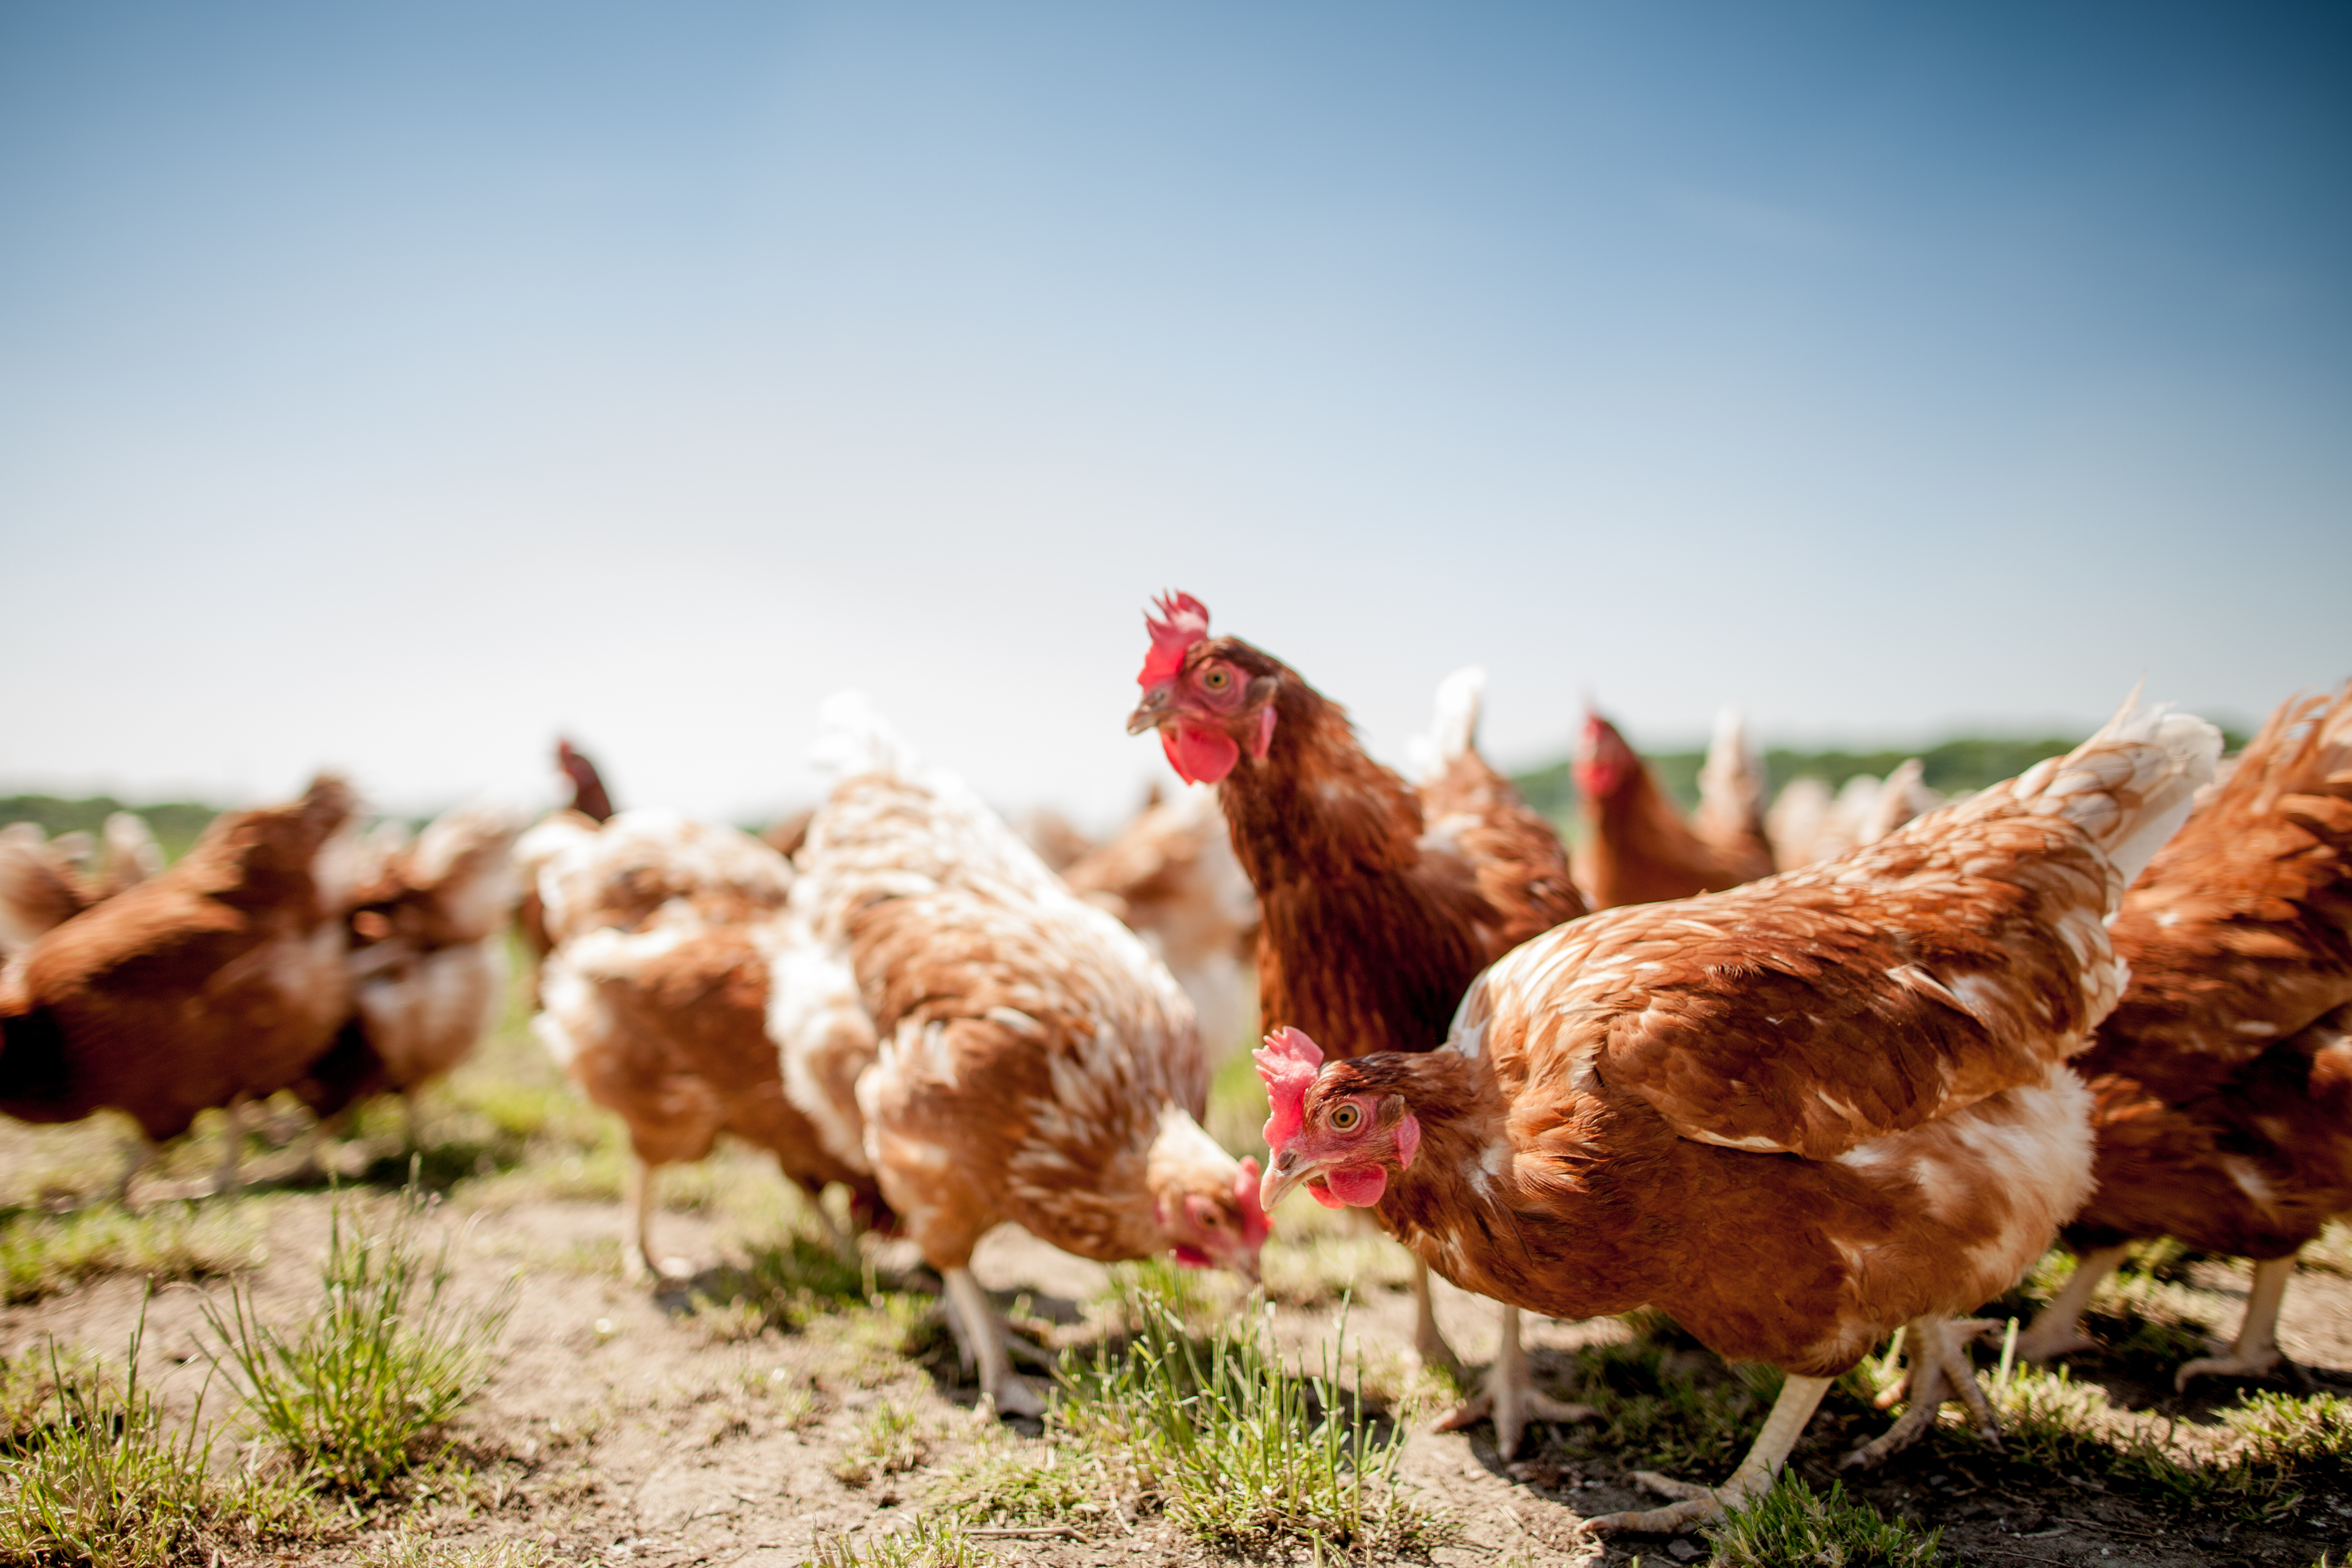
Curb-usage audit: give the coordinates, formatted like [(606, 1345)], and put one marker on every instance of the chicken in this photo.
[(1808, 824), (1636, 848), (682, 995), (219, 981), (1794, 1115), (44, 883), (426, 965), (1379, 903), (1036, 1064), (2224, 1080), (1170, 874)]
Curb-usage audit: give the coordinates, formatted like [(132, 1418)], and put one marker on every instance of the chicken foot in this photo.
[(1510, 1395), (638, 1259), (982, 1338), (2059, 1329), (1701, 1505), (1938, 1369), (2256, 1352)]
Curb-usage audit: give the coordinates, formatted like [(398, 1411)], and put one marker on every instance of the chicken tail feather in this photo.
[(855, 740), (2131, 786)]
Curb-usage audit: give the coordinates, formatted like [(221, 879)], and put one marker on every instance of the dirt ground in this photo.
[(666, 1425)]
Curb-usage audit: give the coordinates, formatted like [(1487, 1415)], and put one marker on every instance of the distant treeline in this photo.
[(176, 823), (1970, 763)]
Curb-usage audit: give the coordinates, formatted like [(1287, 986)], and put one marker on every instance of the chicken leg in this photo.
[(637, 1257), (1511, 1397), (1752, 1479), (2256, 1351), (1938, 1370), (2059, 1329), (982, 1338), (1428, 1341)]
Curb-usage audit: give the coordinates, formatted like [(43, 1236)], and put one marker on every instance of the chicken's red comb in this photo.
[(1185, 620), (1286, 1064), (1256, 1226)]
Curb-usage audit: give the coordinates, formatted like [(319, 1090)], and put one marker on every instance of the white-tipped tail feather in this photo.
[(854, 738), (1454, 729), (1731, 782), (2131, 786)]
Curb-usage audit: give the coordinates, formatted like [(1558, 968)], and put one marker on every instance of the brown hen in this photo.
[(1636, 848), (2224, 1077), (1379, 903), (212, 984), (1794, 1115), (1036, 1064)]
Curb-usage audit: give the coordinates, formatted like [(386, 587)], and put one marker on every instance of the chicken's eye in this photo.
[(1213, 1220), (1344, 1117), (1216, 677)]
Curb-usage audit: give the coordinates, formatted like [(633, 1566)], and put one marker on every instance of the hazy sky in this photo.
[(392, 389)]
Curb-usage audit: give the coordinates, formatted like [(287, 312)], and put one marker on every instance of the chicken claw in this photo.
[(2059, 1329), (1752, 1479), (1511, 1398), (1937, 1369), (2255, 1353)]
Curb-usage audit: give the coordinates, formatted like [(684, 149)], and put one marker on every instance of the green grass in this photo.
[(1237, 1448), (931, 1541), (385, 1358), (893, 1439), (890, 1336), (1792, 1526), (1006, 1480), (98, 1477), (412, 1549), (1664, 1405), (44, 1254)]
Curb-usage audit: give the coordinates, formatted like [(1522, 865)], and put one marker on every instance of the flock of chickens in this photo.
[(1798, 1080)]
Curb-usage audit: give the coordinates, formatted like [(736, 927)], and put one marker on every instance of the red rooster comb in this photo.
[(1184, 621), (1286, 1064), (1256, 1226)]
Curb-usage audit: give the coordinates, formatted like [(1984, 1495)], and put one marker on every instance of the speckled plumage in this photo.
[(1036, 1063), (684, 995), (2224, 1077)]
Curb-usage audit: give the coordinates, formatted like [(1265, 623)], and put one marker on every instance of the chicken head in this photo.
[(1603, 760), (1328, 1131), (1217, 1229), (1208, 698)]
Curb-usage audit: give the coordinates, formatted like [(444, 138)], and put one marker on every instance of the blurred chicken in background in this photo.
[(1637, 849)]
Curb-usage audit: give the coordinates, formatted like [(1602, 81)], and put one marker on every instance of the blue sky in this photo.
[(390, 389)]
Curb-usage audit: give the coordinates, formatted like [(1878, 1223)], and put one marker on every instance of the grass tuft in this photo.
[(1235, 1447), (1792, 1526), (99, 1480), (931, 1541), (386, 1359), (893, 1439), (409, 1548)]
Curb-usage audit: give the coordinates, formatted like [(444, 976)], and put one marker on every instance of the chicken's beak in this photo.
[(1288, 1169), (1159, 703)]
